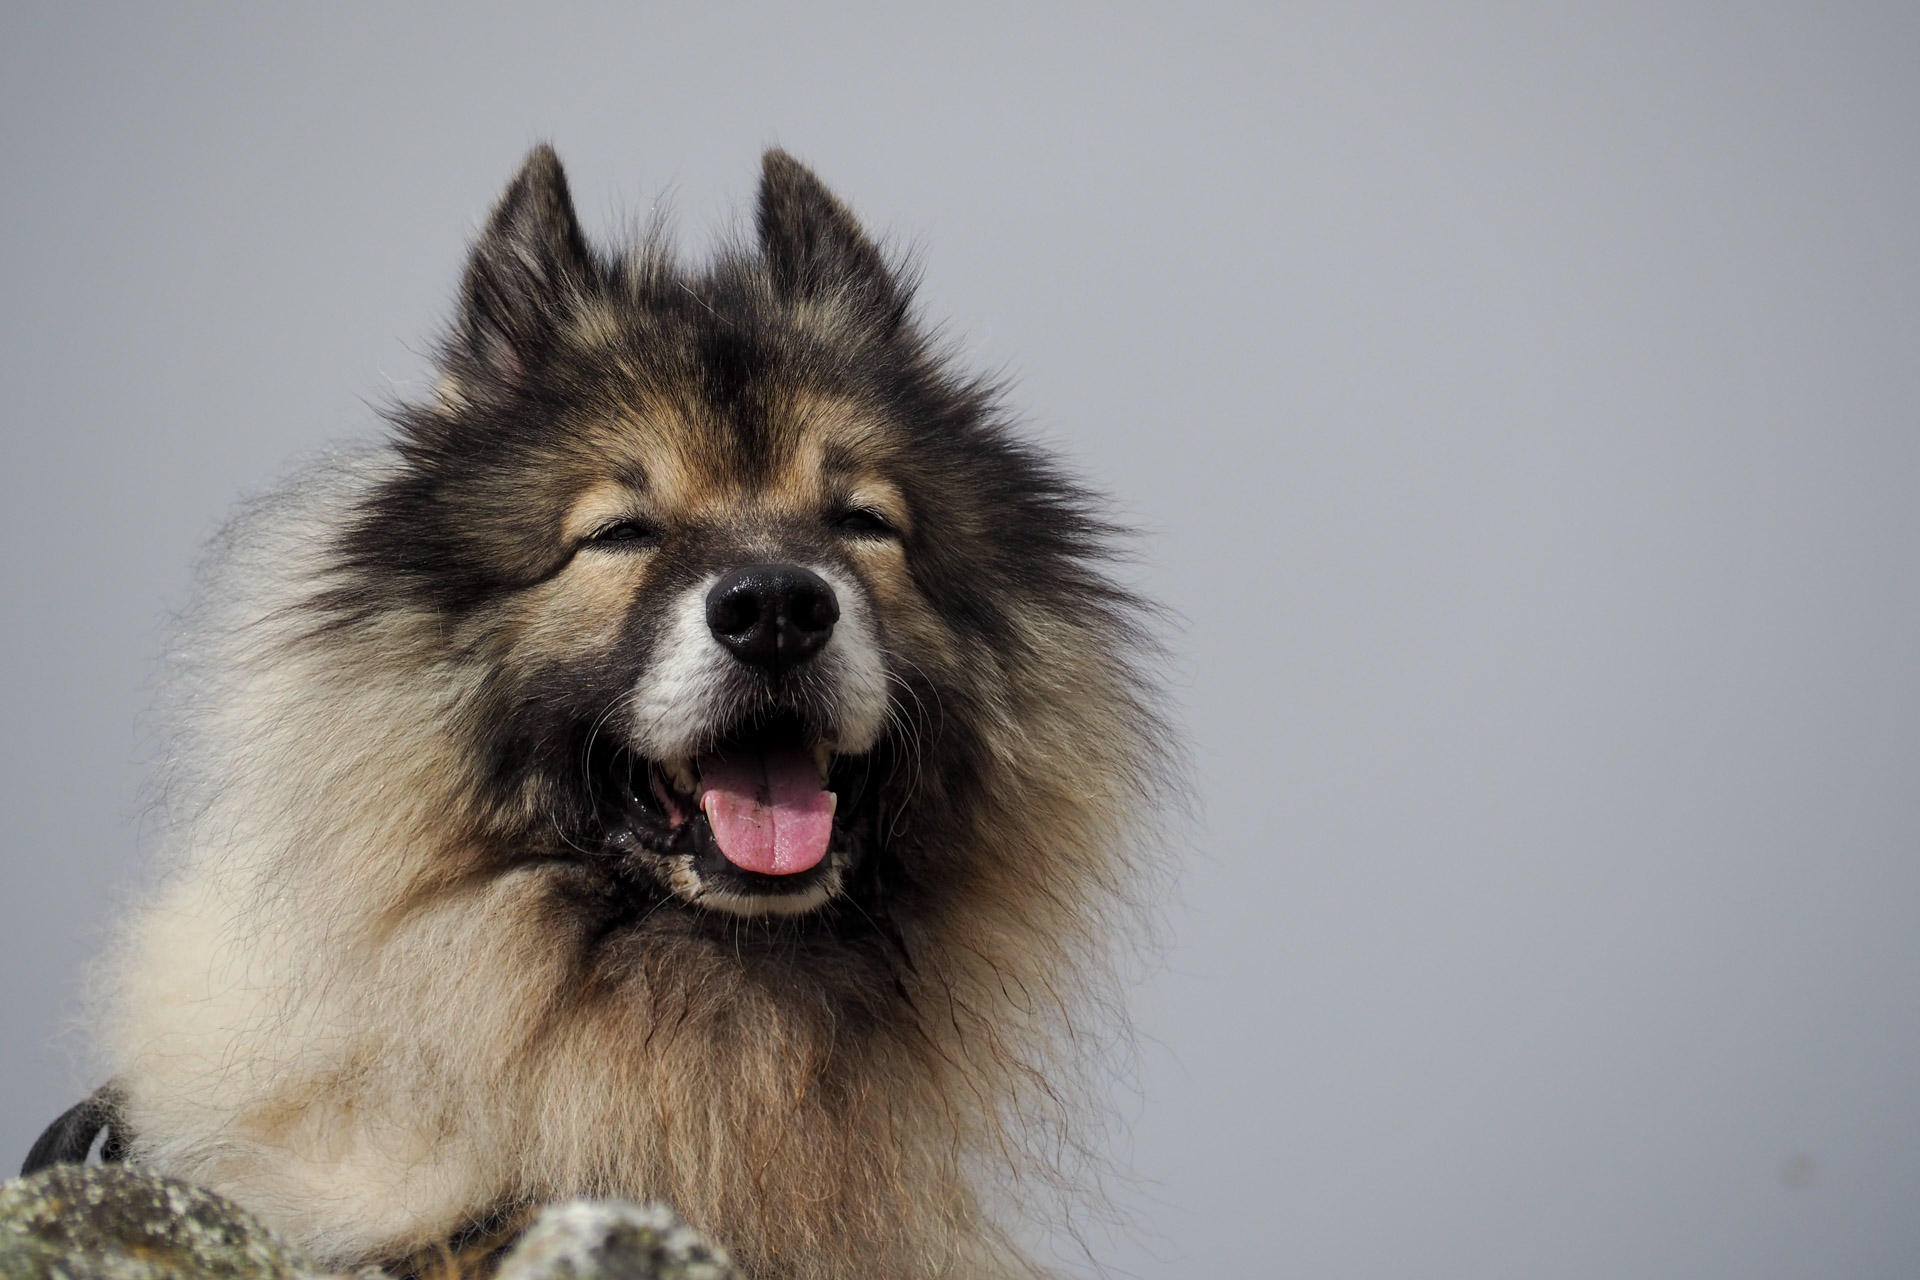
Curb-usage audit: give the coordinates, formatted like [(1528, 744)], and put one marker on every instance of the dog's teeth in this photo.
[(833, 803), (681, 772), (822, 758)]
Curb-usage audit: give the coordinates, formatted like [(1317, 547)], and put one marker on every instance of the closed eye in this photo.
[(864, 522), (625, 533)]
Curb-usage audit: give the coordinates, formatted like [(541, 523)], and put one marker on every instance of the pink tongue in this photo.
[(768, 811)]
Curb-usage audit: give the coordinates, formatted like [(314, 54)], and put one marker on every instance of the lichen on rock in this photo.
[(121, 1222), (115, 1222), (614, 1240)]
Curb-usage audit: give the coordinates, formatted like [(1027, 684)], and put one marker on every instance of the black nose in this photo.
[(772, 615)]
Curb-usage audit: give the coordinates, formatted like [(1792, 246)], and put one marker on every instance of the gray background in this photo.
[(1524, 407)]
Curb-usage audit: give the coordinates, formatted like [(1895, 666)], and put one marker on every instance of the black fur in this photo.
[(70, 1139)]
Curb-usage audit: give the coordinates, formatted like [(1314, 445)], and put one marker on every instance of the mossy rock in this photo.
[(614, 1240), (113, 1222)]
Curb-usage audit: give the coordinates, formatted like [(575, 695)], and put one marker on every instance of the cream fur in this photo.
[(334, 1009)]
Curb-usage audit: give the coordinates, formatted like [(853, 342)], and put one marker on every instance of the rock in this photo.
[(614, 1240), (118, 1222), (113, 1222)]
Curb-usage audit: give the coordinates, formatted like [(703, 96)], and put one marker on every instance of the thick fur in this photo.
[(398, 978)]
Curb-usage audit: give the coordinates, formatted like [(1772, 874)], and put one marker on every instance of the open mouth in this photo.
[(755, 822)]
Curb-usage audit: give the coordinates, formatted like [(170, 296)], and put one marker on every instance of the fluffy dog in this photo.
[(701, 755)]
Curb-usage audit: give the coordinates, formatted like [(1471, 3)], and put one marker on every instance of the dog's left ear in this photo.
[(816, 249), (527, 272)]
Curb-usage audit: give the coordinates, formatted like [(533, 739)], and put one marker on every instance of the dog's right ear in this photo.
[(527, 272), (816, 249)]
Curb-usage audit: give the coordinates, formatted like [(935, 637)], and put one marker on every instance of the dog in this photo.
[(700, 753)]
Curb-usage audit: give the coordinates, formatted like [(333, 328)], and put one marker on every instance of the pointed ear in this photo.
[(815, 247), (526, 272)]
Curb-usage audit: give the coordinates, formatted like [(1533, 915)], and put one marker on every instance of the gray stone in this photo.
[(113, 1222), (614, 1240), (116, 1222)]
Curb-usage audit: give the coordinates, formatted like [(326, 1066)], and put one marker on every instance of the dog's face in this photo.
[(725, 545), (716, 642)]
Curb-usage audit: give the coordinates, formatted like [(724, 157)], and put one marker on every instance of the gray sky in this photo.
[(1524, 406)]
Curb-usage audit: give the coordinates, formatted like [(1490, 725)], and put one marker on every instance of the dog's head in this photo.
[(755, 579)]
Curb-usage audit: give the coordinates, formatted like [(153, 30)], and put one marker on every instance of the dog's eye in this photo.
[(625, 533), (862, 521)]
